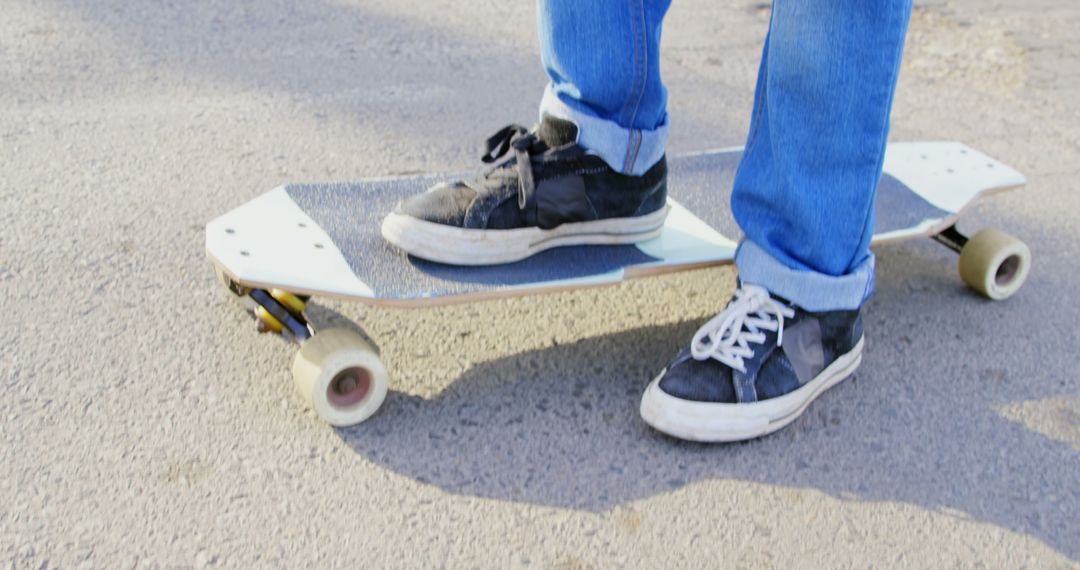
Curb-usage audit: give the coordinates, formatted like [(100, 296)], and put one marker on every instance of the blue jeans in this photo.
[(804, 192)]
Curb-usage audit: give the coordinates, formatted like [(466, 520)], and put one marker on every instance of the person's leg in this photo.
[(603, 58), (804, 193), (804, 198), (592, 172)]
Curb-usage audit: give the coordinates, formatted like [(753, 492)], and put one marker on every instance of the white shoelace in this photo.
[(727, 336)]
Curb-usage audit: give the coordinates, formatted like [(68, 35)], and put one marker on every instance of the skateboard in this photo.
[(302, 240)]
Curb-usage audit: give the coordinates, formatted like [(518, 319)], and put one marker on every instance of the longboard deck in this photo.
[(324, 239)]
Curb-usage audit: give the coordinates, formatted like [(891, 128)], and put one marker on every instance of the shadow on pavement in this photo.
[(559, 426)]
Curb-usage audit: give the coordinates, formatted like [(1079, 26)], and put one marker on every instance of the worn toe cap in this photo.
[(697, 380), (445, 204)]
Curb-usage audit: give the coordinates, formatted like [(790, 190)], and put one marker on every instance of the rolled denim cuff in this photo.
[(814, 292), (629, 151)]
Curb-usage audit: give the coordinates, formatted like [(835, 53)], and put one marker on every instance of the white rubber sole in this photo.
[(712, 422), (461, 246)]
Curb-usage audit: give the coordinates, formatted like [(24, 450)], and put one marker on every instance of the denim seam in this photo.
[(633, 79), (637, 148), (641, 66), (635, 137)]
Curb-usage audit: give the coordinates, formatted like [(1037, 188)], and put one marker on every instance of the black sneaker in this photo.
[(547, 192), (752, 369)]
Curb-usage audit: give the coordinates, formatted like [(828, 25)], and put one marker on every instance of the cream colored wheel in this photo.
[(340, 376), (995, 263)]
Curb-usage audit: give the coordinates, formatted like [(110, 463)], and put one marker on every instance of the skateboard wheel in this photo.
[(340, 376), (270, 321), (292, 303), (995, 263)]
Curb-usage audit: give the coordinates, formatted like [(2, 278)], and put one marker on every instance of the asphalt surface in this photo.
[(144, 423)]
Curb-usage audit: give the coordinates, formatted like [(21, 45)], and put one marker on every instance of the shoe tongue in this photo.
[(556, 132)]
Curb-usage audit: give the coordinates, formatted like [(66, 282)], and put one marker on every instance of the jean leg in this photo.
[(603, 59), (804, 192)]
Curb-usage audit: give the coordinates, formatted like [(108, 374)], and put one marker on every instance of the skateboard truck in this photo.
[(337, 371), (280, 311), (951, 238)]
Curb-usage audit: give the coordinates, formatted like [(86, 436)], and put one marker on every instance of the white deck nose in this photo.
[(271, 242), (949, 175)]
